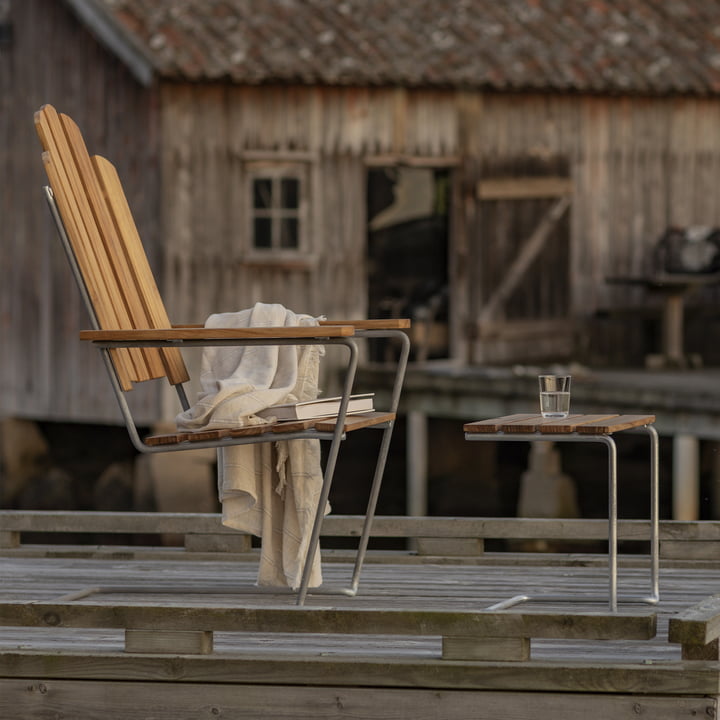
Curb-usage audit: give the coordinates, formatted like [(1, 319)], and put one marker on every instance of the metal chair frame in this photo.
[(335, 438)]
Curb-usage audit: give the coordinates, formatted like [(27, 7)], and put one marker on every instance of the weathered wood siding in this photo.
[(213, 133), (636, 165), (45, 371)]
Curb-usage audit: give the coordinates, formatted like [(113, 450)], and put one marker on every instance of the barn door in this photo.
[(408, 224), (520, 292)]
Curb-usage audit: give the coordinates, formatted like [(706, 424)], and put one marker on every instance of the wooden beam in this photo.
[(524, 329), (232, 618), (699, 625), (311, 671), (329, 699), (66, 521), (423, 161), (523, 188)]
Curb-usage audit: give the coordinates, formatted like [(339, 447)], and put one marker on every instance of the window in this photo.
[(6, 27), (277, 204)]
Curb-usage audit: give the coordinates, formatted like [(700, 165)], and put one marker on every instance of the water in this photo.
[(554, 404)]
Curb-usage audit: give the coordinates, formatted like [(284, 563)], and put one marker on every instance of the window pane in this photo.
[(262, 193), (289, 233), (289, 192), (263, 233)]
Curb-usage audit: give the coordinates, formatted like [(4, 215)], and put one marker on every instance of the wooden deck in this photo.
[(182, 634)]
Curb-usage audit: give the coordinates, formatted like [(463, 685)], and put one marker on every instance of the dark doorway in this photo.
[(408, 226)]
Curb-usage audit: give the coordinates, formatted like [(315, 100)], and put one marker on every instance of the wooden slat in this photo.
[(120, 279), (138, 263), (573, 423), (127, 294), (208, 435), (621, 422), (493, 425), (355, 422), (186, 437), (83, 237), (384, 324), (295, 425), (164, 439), (87, 244), (531, 425), (121, 359)]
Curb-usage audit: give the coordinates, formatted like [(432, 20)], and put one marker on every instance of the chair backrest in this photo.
[(108, 252)]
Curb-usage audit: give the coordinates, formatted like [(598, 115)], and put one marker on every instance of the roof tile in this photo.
[(646, 46)]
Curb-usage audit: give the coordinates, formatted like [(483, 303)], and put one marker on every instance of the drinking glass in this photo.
[(554, 395)]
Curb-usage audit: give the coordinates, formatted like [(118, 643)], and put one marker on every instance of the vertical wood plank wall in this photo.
[(45, 372), (637, 165)]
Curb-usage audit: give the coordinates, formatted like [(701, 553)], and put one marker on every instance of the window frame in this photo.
[(276, 171)]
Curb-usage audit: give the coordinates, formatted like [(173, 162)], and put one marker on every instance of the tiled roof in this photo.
[(638, 46)]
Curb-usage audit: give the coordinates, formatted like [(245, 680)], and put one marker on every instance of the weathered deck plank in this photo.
[(120, 700)]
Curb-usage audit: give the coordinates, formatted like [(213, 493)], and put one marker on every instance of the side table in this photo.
[(585, 428)]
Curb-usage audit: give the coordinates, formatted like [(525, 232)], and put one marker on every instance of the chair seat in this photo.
[(327, 424)]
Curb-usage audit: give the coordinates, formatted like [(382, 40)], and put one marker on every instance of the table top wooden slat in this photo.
[(598, 424)]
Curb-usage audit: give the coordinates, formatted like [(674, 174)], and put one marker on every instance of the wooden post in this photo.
[(715, 492), (177, 642), (487, 648), (218, 542), (673, 329), (9, 539), (696, 629), (686, 478), (417, 463)]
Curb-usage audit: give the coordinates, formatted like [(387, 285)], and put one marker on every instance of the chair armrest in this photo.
[(179, 334), (382, 324)]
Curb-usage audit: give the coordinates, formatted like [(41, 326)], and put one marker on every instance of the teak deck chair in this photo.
[(132, 330)]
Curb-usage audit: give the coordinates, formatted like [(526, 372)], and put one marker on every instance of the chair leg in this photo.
[(372, 504), (369, 515), (319, 512), (379, 469)]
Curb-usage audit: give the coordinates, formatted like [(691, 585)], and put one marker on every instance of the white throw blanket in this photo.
[(268, 489)]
